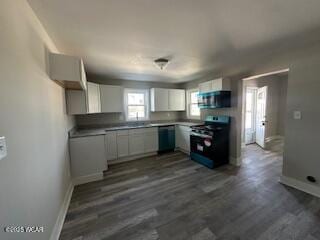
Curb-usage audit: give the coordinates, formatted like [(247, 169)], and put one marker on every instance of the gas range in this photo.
[(210, 142), (205, 129)]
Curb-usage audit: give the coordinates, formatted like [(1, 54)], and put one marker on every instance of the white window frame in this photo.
[(146, 103), (189, 116)]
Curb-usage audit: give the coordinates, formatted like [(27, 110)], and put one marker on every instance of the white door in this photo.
[(250, 115), (261, 116)]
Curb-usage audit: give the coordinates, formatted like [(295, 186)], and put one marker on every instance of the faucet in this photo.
[(137, 115)]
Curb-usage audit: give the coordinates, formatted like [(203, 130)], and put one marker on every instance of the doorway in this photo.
[(264, 111)]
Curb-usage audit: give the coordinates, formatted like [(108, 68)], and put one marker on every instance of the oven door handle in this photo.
[(201, 135)]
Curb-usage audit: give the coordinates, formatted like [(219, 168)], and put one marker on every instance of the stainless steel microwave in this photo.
[(217, 99)]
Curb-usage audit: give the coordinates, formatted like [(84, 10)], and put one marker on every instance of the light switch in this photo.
[(3, 148), (297, 115)]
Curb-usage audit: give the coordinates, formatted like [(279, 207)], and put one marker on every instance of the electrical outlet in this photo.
[(3, 148), (297, 115)]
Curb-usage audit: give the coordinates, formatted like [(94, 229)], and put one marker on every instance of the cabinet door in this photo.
[(186, 139), (136, 144), (87, 156), (205, 87), (111, 145), (159, 99), (151, 140), (76, 102), (93, 98), (111, 98), (177, 100), (217, 84), (123, 145), (179, 138)]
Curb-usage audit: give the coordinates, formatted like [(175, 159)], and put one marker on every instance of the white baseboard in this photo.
[(235, 161), (87, 178), (130, 158), (302, 186), (62, 214)]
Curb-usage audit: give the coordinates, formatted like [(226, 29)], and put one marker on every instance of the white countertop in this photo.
[(102, 131)]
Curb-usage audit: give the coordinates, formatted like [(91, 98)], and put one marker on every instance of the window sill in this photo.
[(139, 120)]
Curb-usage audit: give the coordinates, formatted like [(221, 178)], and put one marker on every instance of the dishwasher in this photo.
[(167, 140)]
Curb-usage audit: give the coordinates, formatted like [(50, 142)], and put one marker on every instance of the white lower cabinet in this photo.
[(151, 140), (143, 140), (88, 158), (183, 137), (136, 144), (111, 145), (123, 143)]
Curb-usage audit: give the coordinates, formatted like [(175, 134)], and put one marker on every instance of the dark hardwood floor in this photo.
[(171, 197)]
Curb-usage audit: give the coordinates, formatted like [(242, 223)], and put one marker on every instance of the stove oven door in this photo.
[(202, 144)]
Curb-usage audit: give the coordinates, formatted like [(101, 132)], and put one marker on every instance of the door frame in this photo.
[(254, 117)]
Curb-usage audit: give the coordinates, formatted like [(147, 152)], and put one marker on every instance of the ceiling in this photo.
[(120, 38)]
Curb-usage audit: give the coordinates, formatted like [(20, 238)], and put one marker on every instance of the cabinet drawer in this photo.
[(137, 131), (151, 130), (122, 133)]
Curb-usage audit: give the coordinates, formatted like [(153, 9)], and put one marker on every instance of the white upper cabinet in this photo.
[(68, 71), (111, 98), (76, 102), (93, 98), (167, 99), (177, 100), (159, 99), (84, 102), (220, 84)]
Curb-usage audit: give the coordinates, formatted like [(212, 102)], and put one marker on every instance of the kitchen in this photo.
[(95, 146), (159, 120)]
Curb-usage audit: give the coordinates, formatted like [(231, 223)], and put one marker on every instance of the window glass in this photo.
[(193, 109), (136, 104), (135, 99), (248, 120), (136, 112), (194, 97)]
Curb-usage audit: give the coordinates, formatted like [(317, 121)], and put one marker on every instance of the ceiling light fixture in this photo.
[(161, 63)]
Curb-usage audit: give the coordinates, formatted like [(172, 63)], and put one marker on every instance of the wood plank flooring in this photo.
[(170, 197)]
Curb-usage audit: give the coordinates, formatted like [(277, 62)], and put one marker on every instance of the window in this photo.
[(136, 104), (193, 110)]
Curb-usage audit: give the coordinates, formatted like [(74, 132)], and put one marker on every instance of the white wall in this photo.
[(302, 137), (34, 177)]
